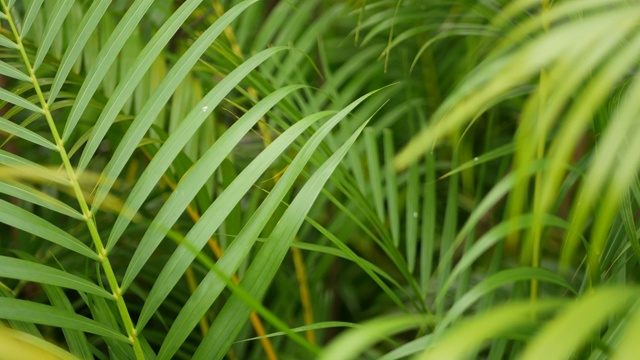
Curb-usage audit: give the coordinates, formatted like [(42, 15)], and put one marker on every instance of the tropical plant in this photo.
[(366, 179)]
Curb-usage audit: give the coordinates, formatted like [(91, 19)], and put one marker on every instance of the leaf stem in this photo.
[(73, 178)]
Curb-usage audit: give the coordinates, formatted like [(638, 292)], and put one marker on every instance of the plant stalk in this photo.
[(73, 179)]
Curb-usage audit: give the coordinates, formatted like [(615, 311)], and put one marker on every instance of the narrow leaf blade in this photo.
[(22, 219), (47, 315), (30, 271)]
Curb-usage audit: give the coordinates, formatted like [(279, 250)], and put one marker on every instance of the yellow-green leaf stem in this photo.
[(86, 212)]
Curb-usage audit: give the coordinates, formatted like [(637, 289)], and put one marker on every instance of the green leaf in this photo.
[(24, 133), (191, 183), (22, 310), (30, 16), (428, 229), (25, 327), (76, 340), (627, 215), (370, 269), (175, 143), (7, 43), (470, 334), (133, 76), (412, 214), (24, 220), (375, 179), (447, 241), (108, 316), (491, 155), (40, 198), (627, 348), (162, 94), (107, 56), (314, 326), (571, 329), (410, 348), (489, 239), (20, 345), (391, 187), (267, 261), (251, 302), (500, 76), (28, 169), (223, 205), (30, 271), (88, 24), (10, 71), (353, 342), (211, 287), (14, 99), (54, 24), (495, 281)]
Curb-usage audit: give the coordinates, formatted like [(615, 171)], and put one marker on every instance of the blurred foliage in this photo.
[(377, 179)]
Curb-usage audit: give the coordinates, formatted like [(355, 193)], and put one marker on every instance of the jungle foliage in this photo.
[(364, 179)]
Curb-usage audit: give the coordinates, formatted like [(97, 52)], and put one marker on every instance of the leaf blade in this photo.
[(24, 133), (31, 271), (213, 217), (36, 197), (10, 71), (21, 219), (176, 142), (107, 56), (53, 26), (569, 330), (47, 315), (18, 101), (198, 174), (30, 16), (264, 266), (151, 109), (138, 69), (85, 29)]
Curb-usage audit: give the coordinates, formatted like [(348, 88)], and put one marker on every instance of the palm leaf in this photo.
[(492, 186)]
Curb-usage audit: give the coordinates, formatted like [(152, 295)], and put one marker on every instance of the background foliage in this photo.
[(342, 179)]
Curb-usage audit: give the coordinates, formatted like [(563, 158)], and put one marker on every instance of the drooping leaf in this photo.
[(30, 271), (43, 314), (19, 218)]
